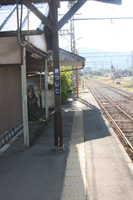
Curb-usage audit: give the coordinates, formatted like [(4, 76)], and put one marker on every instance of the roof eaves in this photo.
[(31, 48), (23, 33)]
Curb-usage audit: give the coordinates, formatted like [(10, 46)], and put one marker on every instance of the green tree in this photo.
[(66, 82)]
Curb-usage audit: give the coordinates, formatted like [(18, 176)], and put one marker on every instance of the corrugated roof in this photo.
[(8, 17)]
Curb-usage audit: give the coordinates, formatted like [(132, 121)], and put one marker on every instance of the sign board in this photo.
[(57, 81)]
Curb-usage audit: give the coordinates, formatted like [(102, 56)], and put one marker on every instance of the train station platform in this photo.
[(92, 166)]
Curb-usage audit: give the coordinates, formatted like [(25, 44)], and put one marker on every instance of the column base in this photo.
[(59, 148)]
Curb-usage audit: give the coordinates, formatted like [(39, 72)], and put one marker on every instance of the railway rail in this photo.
[(120, 97), (119, 116), (124, 93)]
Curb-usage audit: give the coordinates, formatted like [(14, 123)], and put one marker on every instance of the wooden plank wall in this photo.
[(10, 97)]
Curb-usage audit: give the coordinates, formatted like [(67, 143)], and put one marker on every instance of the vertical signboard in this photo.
[(57, 81)]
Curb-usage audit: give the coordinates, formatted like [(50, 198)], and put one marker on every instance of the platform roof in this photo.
[(8, 28), (8, 18), (11, 2)]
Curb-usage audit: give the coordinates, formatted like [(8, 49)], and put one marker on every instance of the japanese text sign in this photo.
[(57, 81)]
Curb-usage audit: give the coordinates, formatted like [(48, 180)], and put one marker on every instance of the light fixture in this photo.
[(35, 56)]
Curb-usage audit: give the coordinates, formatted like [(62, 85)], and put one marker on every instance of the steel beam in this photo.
[(105, 54), (108, 18)]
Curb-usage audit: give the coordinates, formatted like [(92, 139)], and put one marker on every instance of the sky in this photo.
[(106, 35)]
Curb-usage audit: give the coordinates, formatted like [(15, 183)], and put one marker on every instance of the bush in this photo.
[(65, 85)]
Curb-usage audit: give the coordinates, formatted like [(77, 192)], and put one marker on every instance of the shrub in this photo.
[(65, 85)]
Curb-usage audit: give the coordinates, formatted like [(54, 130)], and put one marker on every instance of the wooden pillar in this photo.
[(58, 128), (24, 101)]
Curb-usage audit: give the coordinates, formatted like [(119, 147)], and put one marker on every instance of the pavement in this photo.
[(92, 166)]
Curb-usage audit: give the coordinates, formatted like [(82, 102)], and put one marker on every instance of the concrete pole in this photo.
[(127, 64), (46, 92), (24, 101), (77, 78), (40, 95), (132, 75), (77, 82)]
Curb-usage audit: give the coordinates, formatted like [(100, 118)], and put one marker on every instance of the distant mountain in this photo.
[(86, 50), (105, 62)]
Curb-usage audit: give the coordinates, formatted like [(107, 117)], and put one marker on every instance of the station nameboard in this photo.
[(57, 81)]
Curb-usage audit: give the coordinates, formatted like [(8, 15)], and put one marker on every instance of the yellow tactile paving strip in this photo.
[(73, 180), (74, 187)]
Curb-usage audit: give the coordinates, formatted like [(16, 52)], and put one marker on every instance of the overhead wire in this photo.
[(123, 25), (126, 7), (107, 7), (66, 25)]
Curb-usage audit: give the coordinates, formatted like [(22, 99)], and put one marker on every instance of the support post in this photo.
[(132, 75), (77, 78), (40, 95), (24, 101), (58, 128), (77, 82), (46, 92)]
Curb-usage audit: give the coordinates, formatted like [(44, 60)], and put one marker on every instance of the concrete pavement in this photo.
[(93, 166), (38, 172), (109, 170)]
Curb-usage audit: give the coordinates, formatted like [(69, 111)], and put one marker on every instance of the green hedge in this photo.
[(66, 81)]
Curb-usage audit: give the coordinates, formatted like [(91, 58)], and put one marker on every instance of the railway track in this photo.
[(120, 97), (118, 114), (124, 93)]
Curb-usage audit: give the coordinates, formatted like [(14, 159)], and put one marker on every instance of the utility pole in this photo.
[(77, 77), (127, 64), (73, 49), (58, 128), (132, 68), (72, 30)]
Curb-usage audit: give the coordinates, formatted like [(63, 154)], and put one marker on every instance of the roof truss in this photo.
[(12, 2), (46, 20)]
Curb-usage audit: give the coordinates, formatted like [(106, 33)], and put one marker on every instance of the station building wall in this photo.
[(10, 97)]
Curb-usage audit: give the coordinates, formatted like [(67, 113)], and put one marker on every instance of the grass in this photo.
[(124, 85)]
